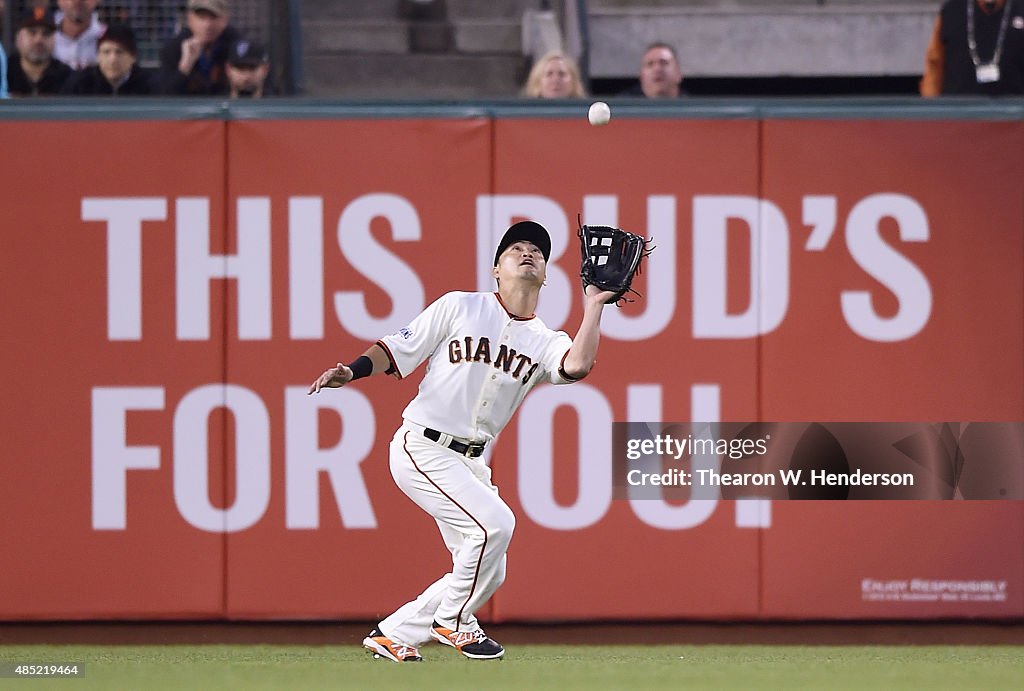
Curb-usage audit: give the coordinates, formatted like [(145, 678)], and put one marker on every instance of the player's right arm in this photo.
[(399, 353), (341, 374)]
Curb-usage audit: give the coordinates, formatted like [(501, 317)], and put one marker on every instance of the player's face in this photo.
[(522, 260)]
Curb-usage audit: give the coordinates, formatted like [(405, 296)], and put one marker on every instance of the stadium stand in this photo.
[(456, 49)]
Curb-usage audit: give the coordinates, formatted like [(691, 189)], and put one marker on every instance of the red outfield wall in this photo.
[(168, 298)]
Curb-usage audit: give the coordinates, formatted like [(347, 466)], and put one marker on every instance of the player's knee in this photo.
[(501, 528), (499, 575)]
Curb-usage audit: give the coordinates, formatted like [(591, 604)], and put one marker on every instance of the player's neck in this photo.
[(519, 297)]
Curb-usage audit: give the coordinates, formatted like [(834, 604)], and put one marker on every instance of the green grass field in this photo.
[(529, 668)]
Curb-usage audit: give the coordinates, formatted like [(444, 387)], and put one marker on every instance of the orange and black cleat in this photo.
[(473, 644), (383, 647)]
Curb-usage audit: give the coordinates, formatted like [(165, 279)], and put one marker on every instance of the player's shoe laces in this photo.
[(472, 644), (379, 644)]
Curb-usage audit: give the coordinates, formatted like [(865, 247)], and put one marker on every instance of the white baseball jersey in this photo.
[(483, 362)]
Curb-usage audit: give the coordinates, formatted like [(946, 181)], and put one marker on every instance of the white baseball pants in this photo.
[(476, 526)]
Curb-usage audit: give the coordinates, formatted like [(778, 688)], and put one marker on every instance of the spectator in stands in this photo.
[(32, 70), (247, 67), (78, 30), (660, 74), (116, 72), (3, 73), (977, 47), (554, 75), (3, 62), (193, 62)]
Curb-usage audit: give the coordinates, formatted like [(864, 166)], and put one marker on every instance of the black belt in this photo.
[(471, 450)]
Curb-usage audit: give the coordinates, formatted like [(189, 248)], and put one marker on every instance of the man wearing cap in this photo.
[(247, 69), (193, 62), (116, 72), (486, 351), (32, 69), (78, 30)]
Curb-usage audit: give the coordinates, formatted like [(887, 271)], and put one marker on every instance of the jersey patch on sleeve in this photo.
[(405, 333)]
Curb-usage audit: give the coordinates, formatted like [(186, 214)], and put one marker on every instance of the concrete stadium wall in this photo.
[(766, 39)]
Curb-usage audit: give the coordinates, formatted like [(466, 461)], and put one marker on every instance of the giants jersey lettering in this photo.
[(483, 362)]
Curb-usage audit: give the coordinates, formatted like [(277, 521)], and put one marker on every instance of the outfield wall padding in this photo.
[(173, 281)]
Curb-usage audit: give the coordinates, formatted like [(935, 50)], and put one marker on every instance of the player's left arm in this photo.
[(583, 354)]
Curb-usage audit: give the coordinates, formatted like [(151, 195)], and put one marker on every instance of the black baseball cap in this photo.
[(531, 231), (37, 16), (120, 34), (246, 53)]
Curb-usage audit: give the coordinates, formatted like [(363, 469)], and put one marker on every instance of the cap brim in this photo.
[(206, 8), (531, 231)]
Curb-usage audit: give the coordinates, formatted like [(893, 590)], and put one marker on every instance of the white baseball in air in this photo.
[(599, 113)]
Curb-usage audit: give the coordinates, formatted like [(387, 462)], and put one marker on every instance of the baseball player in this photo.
[(485, 351)]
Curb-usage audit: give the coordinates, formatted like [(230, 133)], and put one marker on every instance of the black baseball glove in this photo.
[(611, 258)]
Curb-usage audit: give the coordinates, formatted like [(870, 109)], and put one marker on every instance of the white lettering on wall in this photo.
[(305, 460), (124, 217), (536, 456), (192, 458), (196, 267), (769, 267), (112, 458), (887, 266), (306, 268), (378, 265)]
